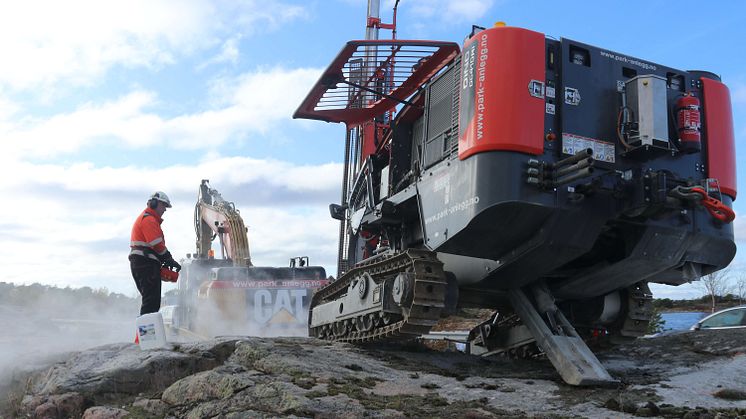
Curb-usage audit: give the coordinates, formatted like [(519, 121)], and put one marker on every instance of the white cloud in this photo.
[(738, 94), (8, 109), (468, 9), (739, 227), (229, 53), (249, 104), (78, 41), (451, 10), (681, 292), (231, 171)]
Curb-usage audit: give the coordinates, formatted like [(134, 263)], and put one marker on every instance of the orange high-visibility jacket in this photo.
[(147, 237)]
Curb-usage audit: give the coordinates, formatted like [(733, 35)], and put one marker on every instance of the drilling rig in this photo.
[(229, 295), (548, 180)]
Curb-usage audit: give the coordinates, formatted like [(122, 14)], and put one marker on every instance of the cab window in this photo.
[(730, 318)]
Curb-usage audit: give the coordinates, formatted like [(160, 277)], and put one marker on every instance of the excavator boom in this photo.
[(216, 217)]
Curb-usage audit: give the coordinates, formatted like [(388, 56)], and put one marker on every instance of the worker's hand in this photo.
[(169, 262)]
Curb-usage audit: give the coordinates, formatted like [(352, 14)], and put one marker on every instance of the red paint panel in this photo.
[(497, 111), (369, 145), (719, 136)]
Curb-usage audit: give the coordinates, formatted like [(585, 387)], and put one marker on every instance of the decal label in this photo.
[(443, 184), (473, 77), (536, 89), (628, 60), (550, 108), (602, 150), (272, 284), (550, 92), (461, 206), (147, 332), (572, 96)]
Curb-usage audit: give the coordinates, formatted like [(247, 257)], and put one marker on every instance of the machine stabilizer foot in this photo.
[(569, 354)]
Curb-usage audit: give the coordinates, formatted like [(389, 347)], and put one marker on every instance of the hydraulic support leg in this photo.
[(558, 339)]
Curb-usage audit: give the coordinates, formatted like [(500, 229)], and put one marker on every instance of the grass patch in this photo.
[(315, 394), (414, 405)]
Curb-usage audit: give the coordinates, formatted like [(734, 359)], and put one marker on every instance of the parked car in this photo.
[(730, 318)]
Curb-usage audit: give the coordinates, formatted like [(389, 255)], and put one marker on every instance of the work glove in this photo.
[(169, 262)]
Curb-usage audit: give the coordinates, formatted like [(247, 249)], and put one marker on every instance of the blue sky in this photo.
[(102, 103)]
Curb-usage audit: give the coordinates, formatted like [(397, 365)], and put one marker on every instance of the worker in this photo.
[(148, 252)]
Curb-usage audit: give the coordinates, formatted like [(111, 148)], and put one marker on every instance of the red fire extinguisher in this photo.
[(689, 125)]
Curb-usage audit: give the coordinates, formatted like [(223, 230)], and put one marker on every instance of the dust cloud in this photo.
[(43, 323), (247, 303), (233, 312)]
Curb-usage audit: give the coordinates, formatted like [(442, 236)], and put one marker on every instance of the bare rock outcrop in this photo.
[(302, 377)]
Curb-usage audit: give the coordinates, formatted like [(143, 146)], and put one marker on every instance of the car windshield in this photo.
[(731, 318)]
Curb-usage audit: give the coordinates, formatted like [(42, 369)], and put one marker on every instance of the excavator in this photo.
[(546, 179), (228, 294)]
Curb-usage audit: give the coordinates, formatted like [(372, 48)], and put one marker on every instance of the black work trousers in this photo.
[(147, 275)]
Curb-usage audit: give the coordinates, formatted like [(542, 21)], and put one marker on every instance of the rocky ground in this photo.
[(691, 375)]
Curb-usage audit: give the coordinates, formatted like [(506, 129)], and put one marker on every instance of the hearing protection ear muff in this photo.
[(153, 203)]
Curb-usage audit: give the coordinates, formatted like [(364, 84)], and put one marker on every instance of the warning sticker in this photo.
[(602, 150), (536, 89), (572, 96), (550, 108)]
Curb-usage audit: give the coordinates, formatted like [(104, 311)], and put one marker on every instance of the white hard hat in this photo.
[(161, 196)]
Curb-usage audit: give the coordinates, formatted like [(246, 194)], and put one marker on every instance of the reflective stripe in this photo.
[(163, 252), (151, 244), (141, 253)]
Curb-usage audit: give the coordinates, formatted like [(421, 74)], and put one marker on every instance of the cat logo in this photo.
[(282, 317), (271, 307)]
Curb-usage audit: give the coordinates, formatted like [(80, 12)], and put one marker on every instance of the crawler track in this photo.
[(420, 309)]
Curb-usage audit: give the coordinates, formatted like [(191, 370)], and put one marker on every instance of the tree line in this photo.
[(721, 284), (65, 302)]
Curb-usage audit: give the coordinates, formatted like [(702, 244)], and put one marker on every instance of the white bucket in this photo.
[(150, 331)]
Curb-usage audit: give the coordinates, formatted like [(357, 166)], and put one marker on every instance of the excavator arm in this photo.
[(215, 217)]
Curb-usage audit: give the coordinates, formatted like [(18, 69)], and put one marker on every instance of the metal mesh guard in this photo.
[(369, 78)]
